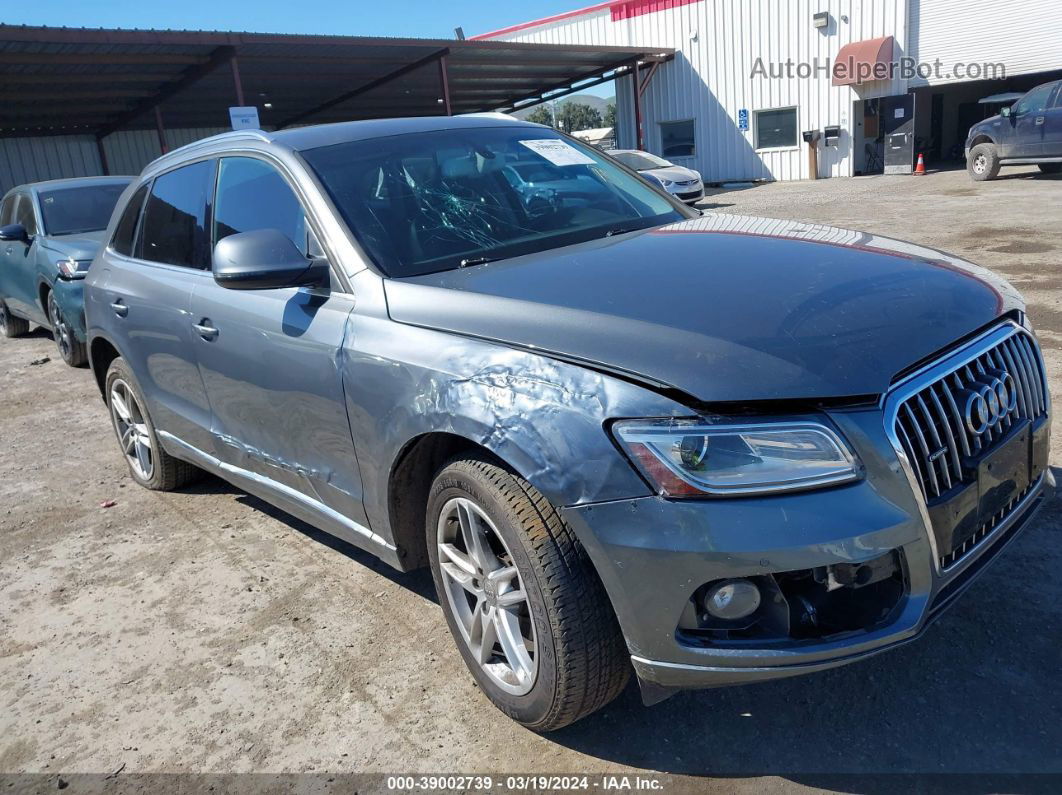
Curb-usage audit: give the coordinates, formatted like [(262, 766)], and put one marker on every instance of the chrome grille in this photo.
[(933, 425)]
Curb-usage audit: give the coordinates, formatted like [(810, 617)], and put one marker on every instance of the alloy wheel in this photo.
[(486, 596), (132, 430), (61, 331), (980, 164)]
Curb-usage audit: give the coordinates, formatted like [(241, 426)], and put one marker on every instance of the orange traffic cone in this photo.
[(920, 169)]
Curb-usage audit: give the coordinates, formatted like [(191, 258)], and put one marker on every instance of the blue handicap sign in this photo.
[(743, 119)]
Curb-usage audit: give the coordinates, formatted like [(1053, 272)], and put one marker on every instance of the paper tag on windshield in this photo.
[(559, 153)]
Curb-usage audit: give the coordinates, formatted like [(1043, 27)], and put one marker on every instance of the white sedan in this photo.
[(683, 183)]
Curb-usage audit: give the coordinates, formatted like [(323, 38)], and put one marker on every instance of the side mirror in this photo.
[(265, 259), (1005, 112), (14, 232)]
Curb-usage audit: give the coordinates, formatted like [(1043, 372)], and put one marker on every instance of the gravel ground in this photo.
[(205, 631)]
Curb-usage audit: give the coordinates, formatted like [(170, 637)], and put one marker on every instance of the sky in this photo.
[(407, 18)]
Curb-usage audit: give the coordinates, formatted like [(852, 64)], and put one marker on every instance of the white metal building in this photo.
[(715, 107)]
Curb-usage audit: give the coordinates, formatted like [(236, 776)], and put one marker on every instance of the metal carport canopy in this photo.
[(61, 81)]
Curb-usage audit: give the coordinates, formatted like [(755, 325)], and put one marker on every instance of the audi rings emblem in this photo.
[(993, 398)]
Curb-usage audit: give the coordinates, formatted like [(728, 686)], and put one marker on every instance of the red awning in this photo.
[(863, 61)]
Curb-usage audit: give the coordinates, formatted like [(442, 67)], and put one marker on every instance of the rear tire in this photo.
[(540, 579), (71, 350), (1050, 168), (150, 465), (983, 162), (11, 326)]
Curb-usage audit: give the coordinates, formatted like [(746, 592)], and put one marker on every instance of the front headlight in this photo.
[(692, 458), (73, 268), (667, 183)]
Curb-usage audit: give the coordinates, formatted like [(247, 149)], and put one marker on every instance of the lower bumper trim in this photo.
[(681, 676), (677, 676)]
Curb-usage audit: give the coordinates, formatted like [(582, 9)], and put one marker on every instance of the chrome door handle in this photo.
[(119, 308), (9, 249), (205, 330), (1039, 119)]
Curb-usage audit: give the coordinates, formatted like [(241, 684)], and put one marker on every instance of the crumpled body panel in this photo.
[(544, 417)]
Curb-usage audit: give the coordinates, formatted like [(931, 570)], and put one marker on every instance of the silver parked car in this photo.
[(683, 183), (616, 451)]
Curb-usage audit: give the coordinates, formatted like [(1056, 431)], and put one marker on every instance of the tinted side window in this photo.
[(173, 230), (1035, 100), (251, 195), (7, 210), (126, 229), (24, 214)]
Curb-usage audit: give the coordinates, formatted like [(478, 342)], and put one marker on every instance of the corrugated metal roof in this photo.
[(63, 80)]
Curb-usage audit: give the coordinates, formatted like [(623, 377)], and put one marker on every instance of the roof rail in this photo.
[(233, 135), (491, 114)]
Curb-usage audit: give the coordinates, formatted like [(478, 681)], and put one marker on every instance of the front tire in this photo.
[(150, 465), (71, 350), (983, 162), (11, 326), (522, 600), (1050, 168)]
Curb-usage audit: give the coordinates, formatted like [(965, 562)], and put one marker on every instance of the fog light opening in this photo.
[(731, 600)]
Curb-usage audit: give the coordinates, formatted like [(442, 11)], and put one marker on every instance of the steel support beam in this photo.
[(636, 90), (160, 130), (380, 81), (99, 80), (236, 81), (444, 81), (103, 157), (96, 58), (564, 89), (190, 77)]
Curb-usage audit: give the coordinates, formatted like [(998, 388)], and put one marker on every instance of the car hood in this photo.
[(722, 307), (673, 173), (984, 124), (83, 245)]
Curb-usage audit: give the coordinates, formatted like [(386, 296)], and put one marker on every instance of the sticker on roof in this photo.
[(558, 152)]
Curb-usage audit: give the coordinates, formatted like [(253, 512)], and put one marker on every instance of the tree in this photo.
[(574, 116), (610, 115), (541, 115)]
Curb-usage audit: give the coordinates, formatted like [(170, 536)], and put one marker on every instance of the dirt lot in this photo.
[(204, 631)]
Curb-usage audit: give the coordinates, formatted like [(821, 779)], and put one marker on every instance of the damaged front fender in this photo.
[(544, 417)]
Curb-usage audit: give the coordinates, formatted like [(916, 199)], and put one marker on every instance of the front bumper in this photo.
[(689, 194), (70, 295), (652, 554)]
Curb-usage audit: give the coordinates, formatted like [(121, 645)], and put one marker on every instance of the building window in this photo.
[(776, 128), (676, 138)]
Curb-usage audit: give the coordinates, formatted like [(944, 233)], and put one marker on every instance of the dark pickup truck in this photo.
[(1029, 132)]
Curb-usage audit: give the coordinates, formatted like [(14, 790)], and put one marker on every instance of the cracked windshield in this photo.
[(440, 200)]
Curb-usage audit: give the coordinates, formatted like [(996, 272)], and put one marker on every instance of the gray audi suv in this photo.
[(625, 437)]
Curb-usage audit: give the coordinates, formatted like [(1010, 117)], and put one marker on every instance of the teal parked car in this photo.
[(49, 234)]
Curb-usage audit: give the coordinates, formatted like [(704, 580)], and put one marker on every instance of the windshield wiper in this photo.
[(470, 261), (621, 230)]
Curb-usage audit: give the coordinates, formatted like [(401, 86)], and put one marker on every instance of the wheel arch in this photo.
[(101, 353), (409, 483), (43, 288), (982, 139)]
